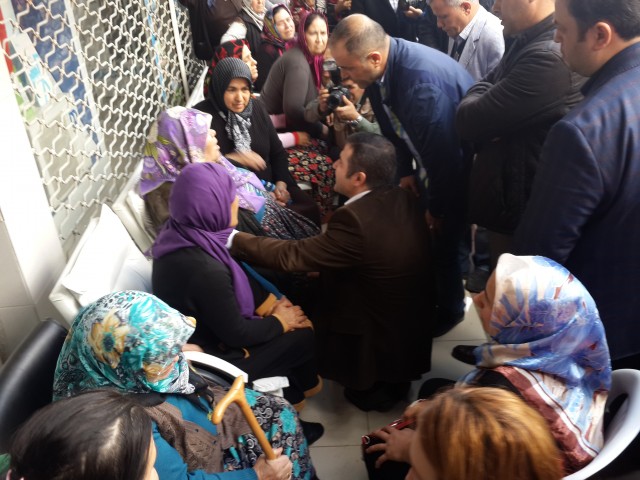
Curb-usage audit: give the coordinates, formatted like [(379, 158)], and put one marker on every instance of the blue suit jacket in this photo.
[(584, 210), (424, 87)]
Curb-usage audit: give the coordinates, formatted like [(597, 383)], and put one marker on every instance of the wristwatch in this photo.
[(356, 122)]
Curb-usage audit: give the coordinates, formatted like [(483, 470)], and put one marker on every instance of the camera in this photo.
[(419, 4), (336, 91)]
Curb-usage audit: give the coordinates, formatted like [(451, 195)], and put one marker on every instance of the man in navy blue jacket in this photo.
[(584, 210), (414, 91)]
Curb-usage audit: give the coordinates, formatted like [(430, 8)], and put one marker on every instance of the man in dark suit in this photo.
[(414, 92), (584, 210), (389, 14), (373, 323)]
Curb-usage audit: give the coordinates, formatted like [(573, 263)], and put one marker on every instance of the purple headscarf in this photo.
[(177, 138), (200, 209)]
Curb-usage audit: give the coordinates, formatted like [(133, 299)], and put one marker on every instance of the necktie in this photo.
[(458, 46)]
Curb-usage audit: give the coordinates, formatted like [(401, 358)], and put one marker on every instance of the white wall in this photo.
[(31, 257)]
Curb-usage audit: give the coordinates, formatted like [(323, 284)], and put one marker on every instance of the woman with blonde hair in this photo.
[(482, 433)]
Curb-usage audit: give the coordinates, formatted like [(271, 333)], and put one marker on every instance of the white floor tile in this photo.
[(344, 424), (338, 463)]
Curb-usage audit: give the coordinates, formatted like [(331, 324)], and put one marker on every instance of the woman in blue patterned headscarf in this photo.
[(132, 342), (548, 342)]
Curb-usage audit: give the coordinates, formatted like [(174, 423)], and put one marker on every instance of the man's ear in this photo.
[(466, 7), (375, 58), (360, 179), (601, 35)]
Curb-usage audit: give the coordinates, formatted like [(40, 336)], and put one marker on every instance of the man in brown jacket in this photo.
[(376, 300)]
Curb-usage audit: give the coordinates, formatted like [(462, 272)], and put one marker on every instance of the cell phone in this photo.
[(399, 424)]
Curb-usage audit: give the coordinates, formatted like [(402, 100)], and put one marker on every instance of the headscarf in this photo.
[(257, 18), (270, 33), (125, 340), (237, 124), (200, 208), (314, 61), (230, 49), (549, 342), (177, 138)]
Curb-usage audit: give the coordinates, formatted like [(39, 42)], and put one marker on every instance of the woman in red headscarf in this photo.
[(294, 81)]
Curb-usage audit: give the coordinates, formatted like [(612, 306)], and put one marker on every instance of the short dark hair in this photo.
[(623, 15), (373, 155), (359, 38), (97, 435)]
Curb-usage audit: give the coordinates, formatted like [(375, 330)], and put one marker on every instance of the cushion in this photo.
[(108, 262)]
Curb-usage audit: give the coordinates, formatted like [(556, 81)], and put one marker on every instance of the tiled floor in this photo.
[(337, 454)]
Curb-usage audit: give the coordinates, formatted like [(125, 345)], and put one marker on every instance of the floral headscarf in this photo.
[(177, 138), (200, 206), (237, 124), (270, 32), (230, 49), (549, 342), (129, 340), (314, 61)]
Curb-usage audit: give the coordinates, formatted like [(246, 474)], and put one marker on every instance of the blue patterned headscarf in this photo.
[(549, 342), (131, 341)]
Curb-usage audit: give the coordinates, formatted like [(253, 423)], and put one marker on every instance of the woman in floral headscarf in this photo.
[(132, 342), (278, 35), (548, 346), (181, 136)]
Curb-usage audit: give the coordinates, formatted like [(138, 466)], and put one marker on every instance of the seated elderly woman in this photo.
[(99, 434), (277, 35), (548, 346), (239, 319), (247, 137), (181, 136), (294, 81), (132, 342), (480, 433)]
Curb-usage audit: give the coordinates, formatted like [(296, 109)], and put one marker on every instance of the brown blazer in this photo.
[(375, 305)]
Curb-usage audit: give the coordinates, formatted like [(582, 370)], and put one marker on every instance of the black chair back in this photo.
[(26, 380)]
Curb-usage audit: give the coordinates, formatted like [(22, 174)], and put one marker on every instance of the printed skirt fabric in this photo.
[(312, 165), (278, 419)]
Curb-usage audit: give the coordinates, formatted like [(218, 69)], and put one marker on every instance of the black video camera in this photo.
[(336, 91)]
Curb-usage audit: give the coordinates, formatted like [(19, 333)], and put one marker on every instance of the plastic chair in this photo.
[(26, 380), (623, 427)]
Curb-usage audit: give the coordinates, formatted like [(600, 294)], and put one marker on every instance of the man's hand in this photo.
[(413, 12), (409, 183), (323, 95), (347, 112), (304, 139), (395, 445), (342, 5)]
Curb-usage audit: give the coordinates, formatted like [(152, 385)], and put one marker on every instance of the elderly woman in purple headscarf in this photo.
[(238, 319), (181, 136)]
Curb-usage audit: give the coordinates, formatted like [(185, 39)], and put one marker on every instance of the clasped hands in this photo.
[(292, 315)]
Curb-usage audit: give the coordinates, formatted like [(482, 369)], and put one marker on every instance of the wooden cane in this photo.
[(236, 395)]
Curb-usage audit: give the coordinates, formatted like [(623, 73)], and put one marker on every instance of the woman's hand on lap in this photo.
[(278, 469)]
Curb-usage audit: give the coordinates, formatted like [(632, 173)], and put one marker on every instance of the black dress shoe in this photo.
[(464, 353), (312, 431)]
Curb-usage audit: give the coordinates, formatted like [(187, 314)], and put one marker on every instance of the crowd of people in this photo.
[(445, 139)]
